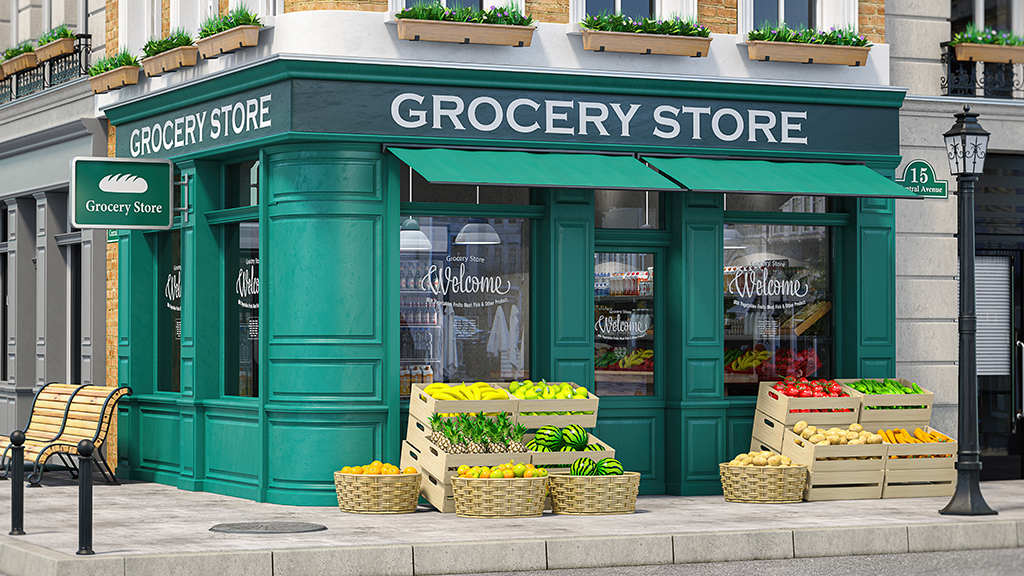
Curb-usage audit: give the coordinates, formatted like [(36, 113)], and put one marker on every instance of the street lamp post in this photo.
[(966, 146)]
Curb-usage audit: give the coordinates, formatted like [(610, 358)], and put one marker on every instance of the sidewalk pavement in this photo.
[(152, 529)]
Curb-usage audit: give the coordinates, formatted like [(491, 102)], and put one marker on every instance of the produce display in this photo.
[(474, 391), (886, 386), (378, 467), (901, 436), (477, 434), (854, 434), (762, 458), (527, 390), (804, 388), (584, 466), (572, 438), (637, 359), (784, 362), (744, 360), (509, 470)]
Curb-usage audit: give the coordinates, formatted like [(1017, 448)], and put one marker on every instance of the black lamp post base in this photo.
[(967, 499)]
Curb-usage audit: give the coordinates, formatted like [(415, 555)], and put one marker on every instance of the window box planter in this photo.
[(115, 79), (465, 32), (58, 47), (179, 57), (228, 41), (599, 41), (994, 53), (20, 62), (807, 53)]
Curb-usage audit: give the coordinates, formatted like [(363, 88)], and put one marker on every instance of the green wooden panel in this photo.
[(877, 302), (160, 440), (704, 438), (571, 238), (739, 430), (638, 438), (325, 380), (231, 444), (300, 176), (704, 313), (703, 377), (188, 444)]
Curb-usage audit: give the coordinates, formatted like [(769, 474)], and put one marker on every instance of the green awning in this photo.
[(535, 169), (767, 177)]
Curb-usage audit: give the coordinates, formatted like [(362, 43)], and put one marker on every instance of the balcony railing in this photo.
[(53, 72), (981, 79)]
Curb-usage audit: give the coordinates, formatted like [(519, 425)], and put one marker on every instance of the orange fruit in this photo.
[(357, 469), (473, 474), (346, 469), (528, 473), (413, 470), (509, 474), (462, 469), (376, 463), (372, 469)]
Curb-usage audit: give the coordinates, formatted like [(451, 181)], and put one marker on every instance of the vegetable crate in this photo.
[(767, 433), (919, 483), (787, 410), (865, 457), (439, 467), (884, 411), (856, 485), (545, 459), (423, 405), (927, 456), (531, 413)]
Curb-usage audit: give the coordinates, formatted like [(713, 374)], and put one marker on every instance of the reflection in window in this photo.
[(623, 324), (464, 286), (635, 9), (168, 313), (777, 203), (242, 279), (778, 301), (626, 209), (795, 13)]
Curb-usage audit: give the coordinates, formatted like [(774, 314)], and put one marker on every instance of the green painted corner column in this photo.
[(329, 343), (563, 348)]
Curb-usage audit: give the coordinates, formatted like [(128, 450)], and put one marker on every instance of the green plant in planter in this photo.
[(108, 63), (173, 40), (56, 33), (240, 16), (15, 51), (507, 15), (673, 26), (975, 35), (783, 33)]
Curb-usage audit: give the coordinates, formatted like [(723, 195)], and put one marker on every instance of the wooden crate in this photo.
[(548, 458), (818, 458), (919, 483), (780, 407), (758, 445), (942, 454), (876, 410), (767, 431), (857, 485), (588, 404), (423, 406)]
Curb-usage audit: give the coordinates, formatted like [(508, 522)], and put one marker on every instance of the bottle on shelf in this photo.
[(428, 375), (403, 380), (415, 376)]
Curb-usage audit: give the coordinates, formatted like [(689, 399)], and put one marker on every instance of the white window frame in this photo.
[(828, 14), (395, 6), (685, 9)]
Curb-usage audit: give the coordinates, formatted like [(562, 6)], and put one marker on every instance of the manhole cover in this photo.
[(268, 527)]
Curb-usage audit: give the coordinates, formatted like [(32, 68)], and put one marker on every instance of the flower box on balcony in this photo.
[(228, 41), (20, 62), (804, 53), (465, 32), (992, 53), (633, 43), (170, 60), (58, 47), (115, 79)]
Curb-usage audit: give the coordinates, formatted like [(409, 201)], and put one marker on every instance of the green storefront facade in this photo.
[(329, 208)]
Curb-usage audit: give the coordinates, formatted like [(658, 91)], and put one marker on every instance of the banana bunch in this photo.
[(634, 358), (750, 360), (474, 391)]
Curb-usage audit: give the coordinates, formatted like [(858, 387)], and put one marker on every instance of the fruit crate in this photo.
[(767, 433), (929, 456), (855, 485), (922, 483), (887, 411), (585, 408), (784, 408), (566, 458), (439, 467), (423, 405), (418, 434), (867, 457)]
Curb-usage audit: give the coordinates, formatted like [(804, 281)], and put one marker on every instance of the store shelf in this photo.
[(738, 378), (623, 376)]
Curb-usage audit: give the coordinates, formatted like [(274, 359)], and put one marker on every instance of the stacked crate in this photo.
[(777, 412)]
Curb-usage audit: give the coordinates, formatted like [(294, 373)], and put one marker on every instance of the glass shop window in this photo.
[(778, 203), (464, 286), (168, 314), (778, 304), (795, 13), (242, 184), (242, 281), (627, 209), (624, 324)]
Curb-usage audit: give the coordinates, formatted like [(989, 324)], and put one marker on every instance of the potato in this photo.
[(834, 431), (798, 441), (746, 460), (852, 435), (832, 439), (856, 442), (752, 453), (766, 454), (759, 461), (874, 439), (734, 463), (855, 427), (823, 443), (774, 461), (816, 438), (843, 441), (864, 434), (799, 426), (785, 460)]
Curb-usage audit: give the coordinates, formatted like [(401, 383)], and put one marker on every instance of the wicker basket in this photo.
[(592, 495), (499, 497), (377, 493), (763, 484)]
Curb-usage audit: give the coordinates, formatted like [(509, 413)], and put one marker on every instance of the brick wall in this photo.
[(871, 19), (718, 15), (552, 11), (111, 32), (111, 328), (357, 5), (165, 18), (223, 6)]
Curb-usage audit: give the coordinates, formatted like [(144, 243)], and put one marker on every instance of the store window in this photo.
[(242, 280), (242, 184), (778, 203), (635, 9), (624, 324), (627, 209), (778, 304), (74, 318), (464, 286), (169, 312)]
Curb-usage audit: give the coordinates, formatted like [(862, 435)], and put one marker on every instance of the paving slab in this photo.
[(962, 536), (733, 546)]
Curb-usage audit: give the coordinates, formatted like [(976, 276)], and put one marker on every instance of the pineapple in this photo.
[(496, 438), (455, 438), (437, 424), (515, 442), (476, 432)]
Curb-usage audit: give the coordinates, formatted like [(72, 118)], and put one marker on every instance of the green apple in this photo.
[(563, 395), (531, 395), (513, 386), (581, 392)]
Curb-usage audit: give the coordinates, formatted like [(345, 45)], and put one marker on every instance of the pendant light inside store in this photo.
[(647, 211), (411, 238), (477, 232)]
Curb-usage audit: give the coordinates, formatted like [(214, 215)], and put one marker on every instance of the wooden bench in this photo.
[(88, 416), (49, 407)]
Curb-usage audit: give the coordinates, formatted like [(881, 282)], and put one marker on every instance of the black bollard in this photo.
[(85, 449), (18, 483)]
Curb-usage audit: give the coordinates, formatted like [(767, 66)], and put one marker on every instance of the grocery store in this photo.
[(665, 244)]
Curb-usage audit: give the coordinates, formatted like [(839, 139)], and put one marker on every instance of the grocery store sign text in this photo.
[(750, 281), (235, 117), (444, 280)]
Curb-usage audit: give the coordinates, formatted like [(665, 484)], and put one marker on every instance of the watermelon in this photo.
[(593, 448), (583, 467), (609, 467), (549, 436), (574, 435), (532, 445), (566, 448)]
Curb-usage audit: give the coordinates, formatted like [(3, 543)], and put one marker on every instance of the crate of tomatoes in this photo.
[(816, 401)]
